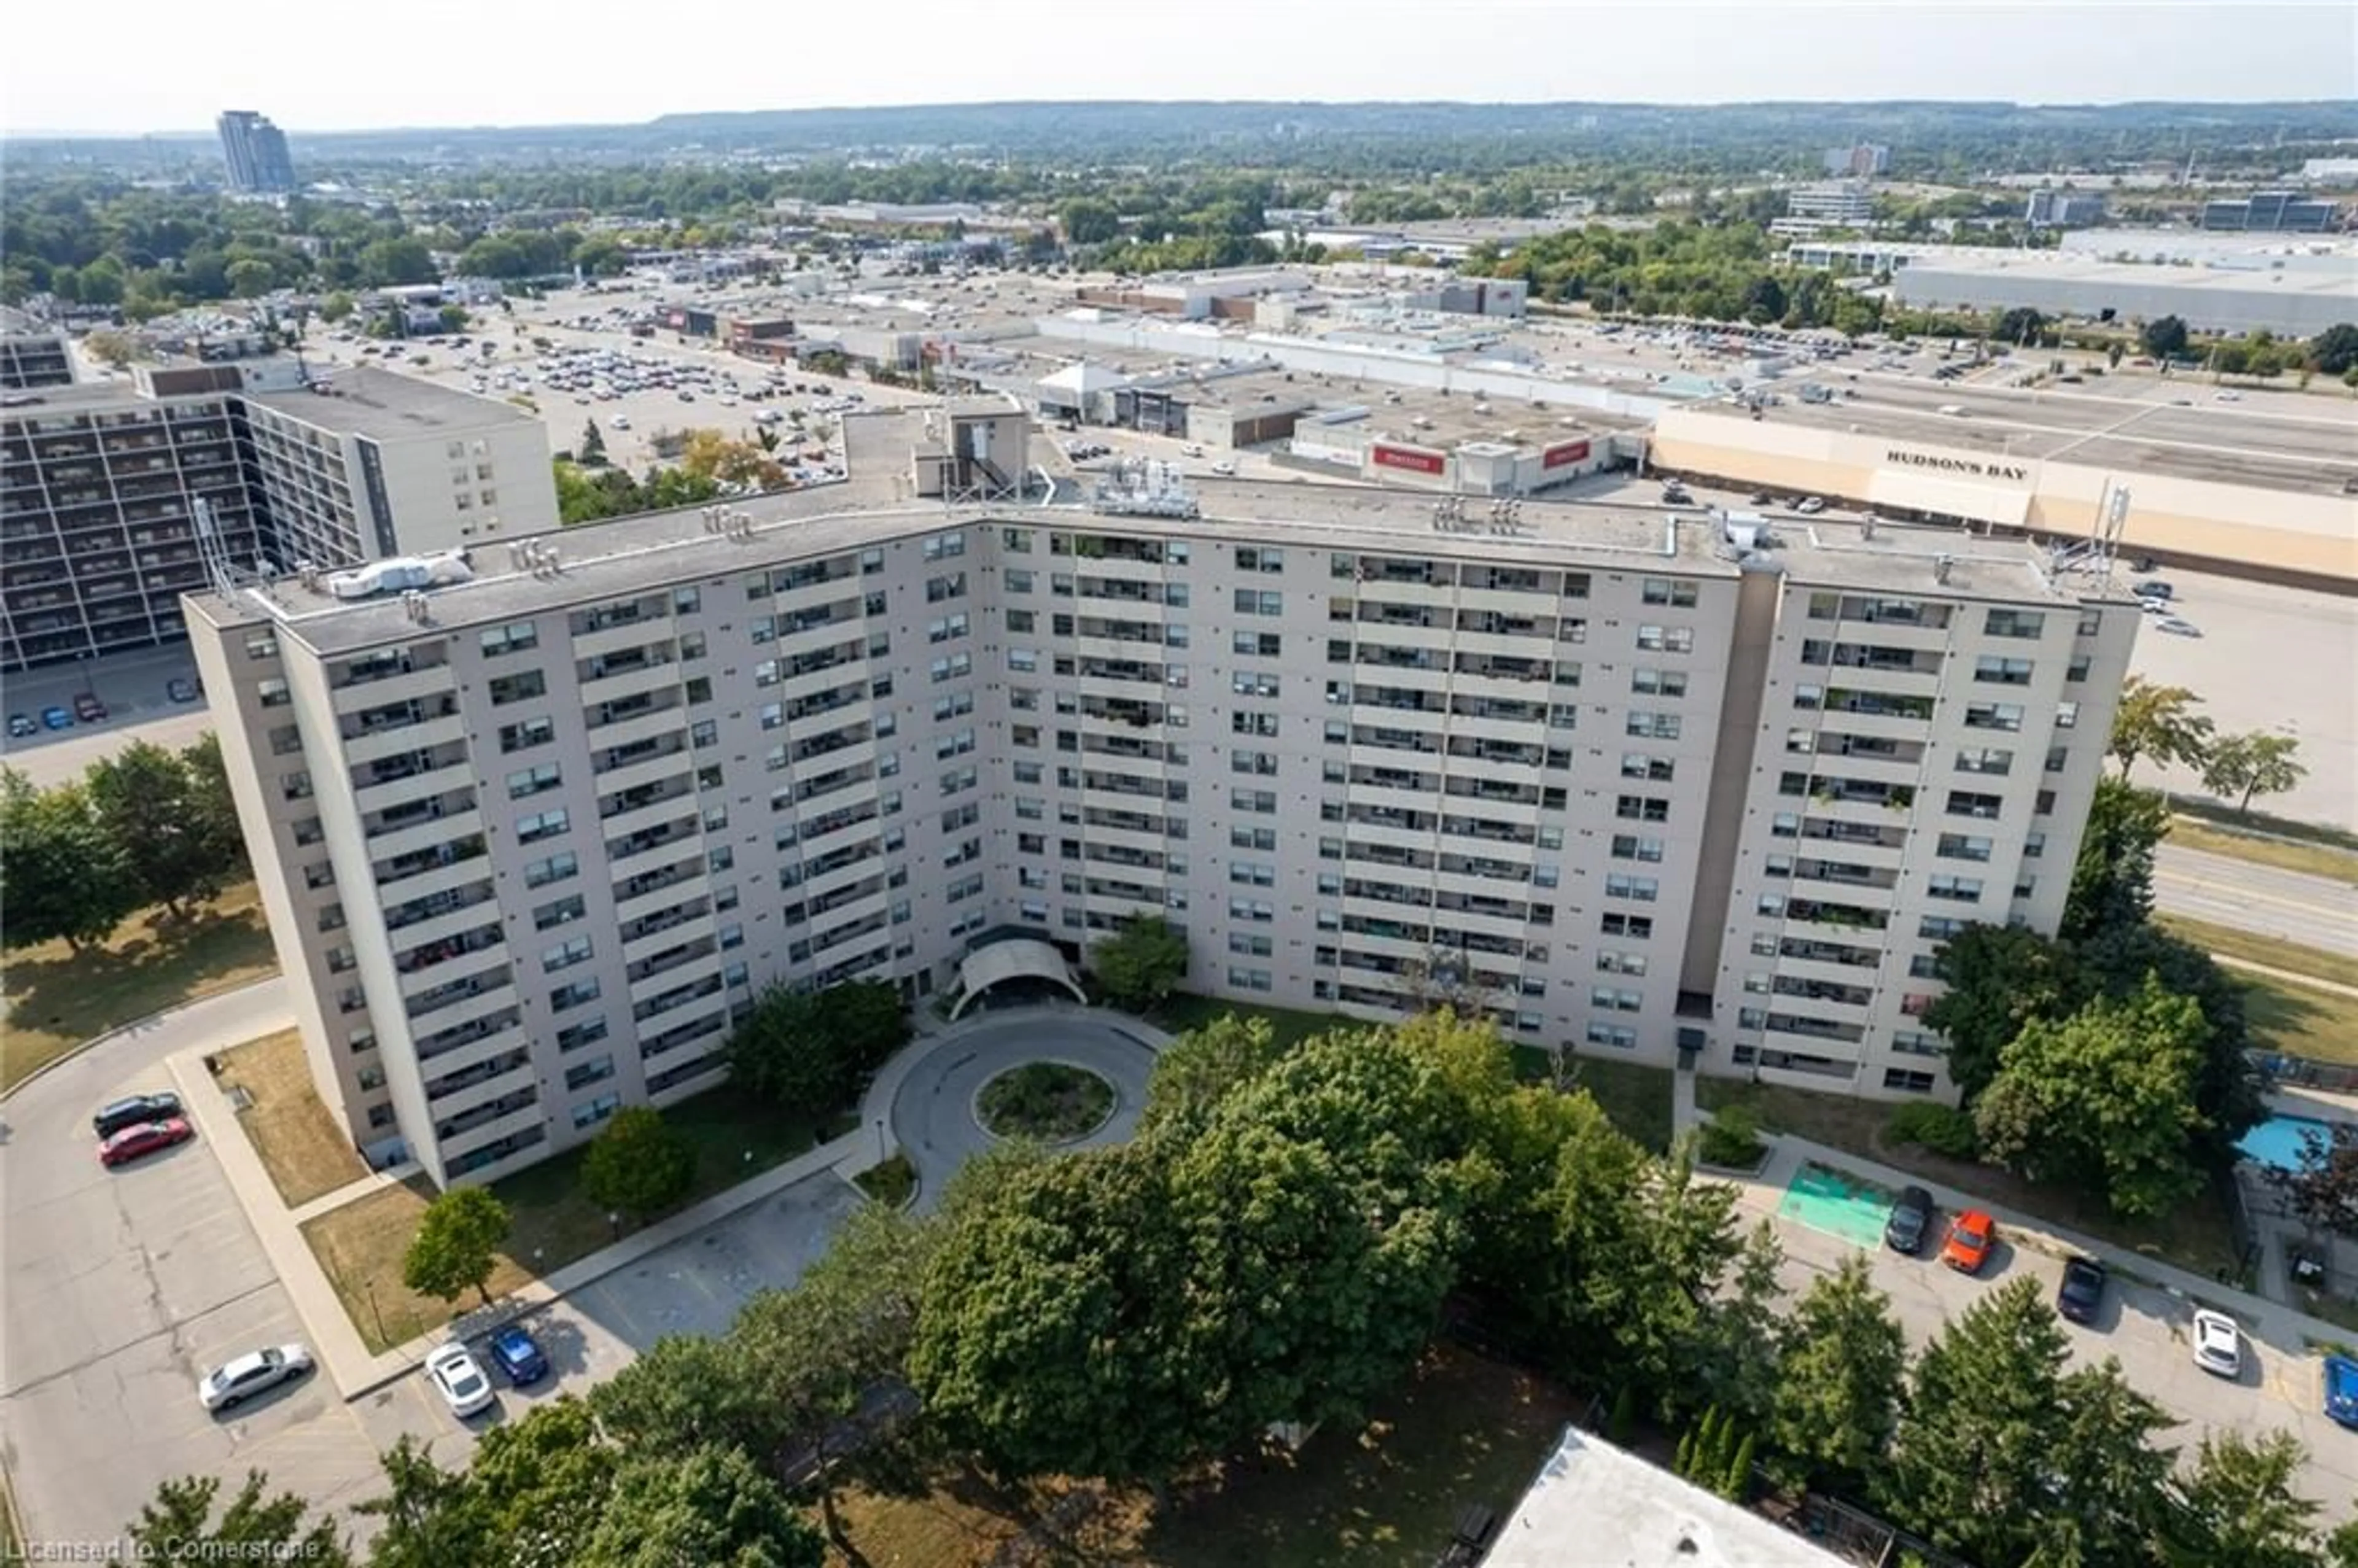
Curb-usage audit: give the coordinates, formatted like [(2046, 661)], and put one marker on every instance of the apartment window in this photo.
[(1258, 910), (272, 693), (1965, 890), (597, 1110), (1641, 808), (529, 733), (2067, 715), (1248, 979), (1612, 962), (1258, 644), (1627, 846), (1984, 760), (946, 547), (1248, 946), (1252, 683), (566, 996), (1016, 539), (565, 955), (1252, 873), (1260, 558), (1995, 671), (559, 913), (1653, 770), (521, 688), (2005, 716), (1908, 1080), (1666, 638), (1023, 661), (545, 825), (2013, 624), (955, 666), (1644, 890), (1612, 999), (947, 630), (1665, 590), (1619, 1036), (262, 645), (1261, 802), (1652, 726), (1261, 838), (1260, 601), (1963, 847), (1023, 622), (939, 588), (1658, 683), (513, 638), (554, 868), (533, 781)]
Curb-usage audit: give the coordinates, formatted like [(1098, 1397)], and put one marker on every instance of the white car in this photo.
[(459, 1377), (2177, 627), (1808, 505), (2218, 1344), (233, 1383), (622, 421)]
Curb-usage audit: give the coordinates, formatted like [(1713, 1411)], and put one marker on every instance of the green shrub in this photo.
[(1943, 1129), (1732, 1137), (1622, 1424)]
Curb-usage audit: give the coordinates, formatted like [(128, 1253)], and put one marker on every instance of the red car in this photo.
[(1970, 1240), (144, 1139)]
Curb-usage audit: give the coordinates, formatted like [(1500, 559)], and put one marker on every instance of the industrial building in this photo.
[(2288, 301), (102, 482), (2269, 212), (1841, 204), (255, 152), (1651, 789), (2064, 208)]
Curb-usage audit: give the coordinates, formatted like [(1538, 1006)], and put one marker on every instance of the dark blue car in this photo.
[(519, 1358), (2341, 1390)]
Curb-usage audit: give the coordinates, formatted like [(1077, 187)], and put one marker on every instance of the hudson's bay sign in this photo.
[(1949, 462)]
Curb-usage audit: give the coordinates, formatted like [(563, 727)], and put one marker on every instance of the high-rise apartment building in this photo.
[(2064, 208), (34, 358), (256, 151), (1637, 786), (98, 483), (1864, 160)]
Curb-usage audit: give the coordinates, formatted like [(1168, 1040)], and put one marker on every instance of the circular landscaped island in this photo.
[(1052, 1101)]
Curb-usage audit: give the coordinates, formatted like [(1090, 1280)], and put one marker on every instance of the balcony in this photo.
[(392, 739), (528, 1117), (621, 636), (687, 929), (426, 834), (462, 978), (620, 685), (394, 685)]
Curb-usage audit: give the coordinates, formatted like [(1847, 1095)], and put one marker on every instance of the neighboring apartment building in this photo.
[(255, 152), (529, 842), (34, 358), (2064, 208), (2269, 212), (97, 483), (1863, 161), (1848, 203)]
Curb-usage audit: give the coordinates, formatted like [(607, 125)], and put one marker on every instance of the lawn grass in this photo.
[(57, 999), (2227, 819), (1634, 1097), (2196, 1236), (1047, 1100), (1290, 1026), (307, 1154), (1461, 1430), (2299, 1020), (2307, 856), (551, 1223), (2290, 957)]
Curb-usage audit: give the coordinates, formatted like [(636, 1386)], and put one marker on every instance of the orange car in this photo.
[(1970, 1240)]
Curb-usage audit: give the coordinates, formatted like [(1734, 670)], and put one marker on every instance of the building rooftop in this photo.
[(366, 401), (2184, 432), (2094, 270), (1600, 1506), (875, 506)]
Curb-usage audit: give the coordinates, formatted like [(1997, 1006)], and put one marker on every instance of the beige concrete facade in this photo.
[(531, 841), (2311, 536)]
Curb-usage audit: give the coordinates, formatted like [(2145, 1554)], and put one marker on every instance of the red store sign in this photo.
[(1416, 459)]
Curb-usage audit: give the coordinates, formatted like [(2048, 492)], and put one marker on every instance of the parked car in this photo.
[(130, 1113), (459, 1377), (21, 725), (233, 1383), (2178, 626), (57, 718), (1910, 1221), (2154, 589), (1761, 498), (2144, 564), (1225, 470), (180, 688), (517, 1356), (2341, 1390), (144, 1138), (2218, 1344), (1810, 504), (1971, 1237), (2083, 1289), (87, 707)]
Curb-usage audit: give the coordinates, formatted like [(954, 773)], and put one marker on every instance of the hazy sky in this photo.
[(138, 65)]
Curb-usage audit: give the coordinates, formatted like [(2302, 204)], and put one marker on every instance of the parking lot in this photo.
[(2141, 1325)]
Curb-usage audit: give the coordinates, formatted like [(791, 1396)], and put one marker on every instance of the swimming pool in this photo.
[(2279, 1141)]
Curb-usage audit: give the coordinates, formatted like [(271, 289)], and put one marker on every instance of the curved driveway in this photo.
[(928, 1096)]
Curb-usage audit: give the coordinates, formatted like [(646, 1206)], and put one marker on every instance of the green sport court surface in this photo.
[(1838, 1204)]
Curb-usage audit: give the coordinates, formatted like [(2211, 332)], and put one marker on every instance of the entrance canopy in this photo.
[(1013, 958), (1950, 498)]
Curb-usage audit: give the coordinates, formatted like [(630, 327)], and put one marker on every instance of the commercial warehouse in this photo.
[(2248, 493), (2289, 300)]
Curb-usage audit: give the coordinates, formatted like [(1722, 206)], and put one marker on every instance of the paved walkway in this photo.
[(356, 1371), (1764, 1190), (2291, 977), (1685, 1117)]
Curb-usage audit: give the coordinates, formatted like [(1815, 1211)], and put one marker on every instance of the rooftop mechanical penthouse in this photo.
[(531, 827)]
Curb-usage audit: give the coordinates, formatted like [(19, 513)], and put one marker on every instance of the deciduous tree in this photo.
[(2260, 763), (63, 877), (179, 1525), (2112, 881), (2160, 722), (2107, 1099), (687, 1391), (2322, 1188), (1197, 1072), (808, 1052), (712, 1508), (638, 1163), (2110, 1477), (147, 802), (2164, 337), (1139, 966), (457, 1245), (1999, 978), (2236, 1503)]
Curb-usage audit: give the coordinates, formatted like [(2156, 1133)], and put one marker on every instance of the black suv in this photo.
[(112, 1119), (2082, 1293), (1910, 1221)]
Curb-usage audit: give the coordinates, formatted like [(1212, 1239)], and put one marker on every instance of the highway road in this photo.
[(2291, 906)]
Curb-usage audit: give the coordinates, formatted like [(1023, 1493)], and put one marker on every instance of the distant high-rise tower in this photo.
[(256, 151), (1863, 161)]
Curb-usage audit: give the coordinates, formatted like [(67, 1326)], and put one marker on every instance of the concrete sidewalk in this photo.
[(349, 1364), (2272, 1321)]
